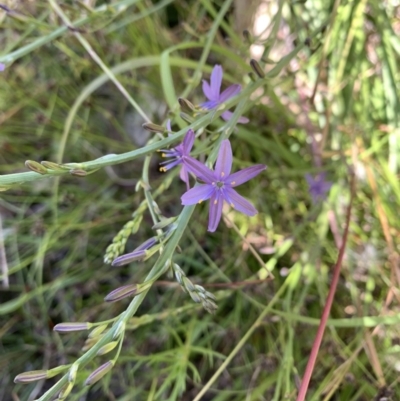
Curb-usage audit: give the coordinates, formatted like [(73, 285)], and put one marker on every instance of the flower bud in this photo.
[(119, 330), (187, 117), (72, 372), (256, 68), (188, 284), (78, 172), (99, 373), (107, 348), (36, 167), (68, 327), (97, 331), (128, 258), (52, 166), (32, 376), (63, 394), (186, 106), (153, 127), (121, 292)]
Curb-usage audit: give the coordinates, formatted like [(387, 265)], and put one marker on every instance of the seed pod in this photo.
[(107, 348)]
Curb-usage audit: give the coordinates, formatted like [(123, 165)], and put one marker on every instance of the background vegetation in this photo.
[(333, 107)]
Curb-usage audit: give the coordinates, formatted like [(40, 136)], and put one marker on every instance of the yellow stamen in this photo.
[(163, 155), (163, 169), (201, 200), (232, 205)]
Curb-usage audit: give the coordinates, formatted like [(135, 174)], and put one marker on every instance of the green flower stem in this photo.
[(99, 61), (155, 272)]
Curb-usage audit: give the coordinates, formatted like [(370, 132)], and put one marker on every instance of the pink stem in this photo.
[(321, 328)]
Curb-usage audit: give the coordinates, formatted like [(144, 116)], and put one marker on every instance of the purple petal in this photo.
[(184, 176), (244, 175), (188, 142), (229, 92), (224, 160), (207, 91), (238, 202), (2, 67), (215, 81), (168, 125), (216, 203), (318, 186), (212, 104), (199, 169), (197, 194), (227, 115)]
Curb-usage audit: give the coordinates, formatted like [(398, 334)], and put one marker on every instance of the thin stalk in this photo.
[(328, 305), (99, 61)]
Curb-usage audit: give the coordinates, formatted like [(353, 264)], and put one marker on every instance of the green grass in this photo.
[(271, 273)]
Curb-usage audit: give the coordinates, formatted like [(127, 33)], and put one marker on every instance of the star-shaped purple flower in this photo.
[(318, 186), (178, 154), (218, 185), (212, 91)]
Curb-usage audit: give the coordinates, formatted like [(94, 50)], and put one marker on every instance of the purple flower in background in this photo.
[(212, 91), (2, 67), (178, 154), (219, 185), (318, 186)]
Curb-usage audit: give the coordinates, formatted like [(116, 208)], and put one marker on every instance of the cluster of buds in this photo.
[(118, 243), (196, 292)]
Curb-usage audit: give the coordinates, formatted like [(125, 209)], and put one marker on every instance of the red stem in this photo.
[(327, 309)]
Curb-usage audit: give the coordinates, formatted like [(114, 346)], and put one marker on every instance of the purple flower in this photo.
[(212, 91), (318, 186), (178, 154), (2, 67), (219, 185)]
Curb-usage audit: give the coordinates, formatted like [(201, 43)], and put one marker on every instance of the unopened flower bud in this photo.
[(89, 343), (128, 258), (195, 297), (186, 106), (107, 348), (99, 373), (247, 36), (153, 127), (188, 284), (68, 327), (63, 394), (119, 330), (36, 167), (78, 172), (121, 292), (257, 68), (186, 117), (32, 376), (52, 166), (97, 331), (72, 372)]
